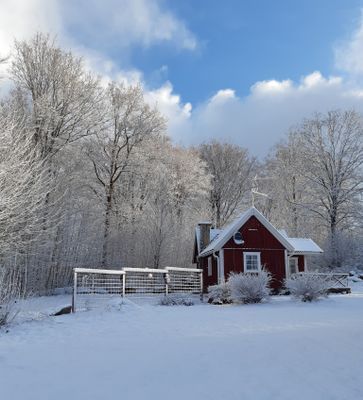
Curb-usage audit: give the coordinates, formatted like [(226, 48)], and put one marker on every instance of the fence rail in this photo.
[(94, 287), (337, 281)]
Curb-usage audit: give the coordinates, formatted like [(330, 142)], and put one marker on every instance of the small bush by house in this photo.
[(219, 294), (250, 288), (176, 300), (307, 287)]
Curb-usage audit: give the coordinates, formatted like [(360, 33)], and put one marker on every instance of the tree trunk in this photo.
[(294, 208), (333, 239), (106, 232)]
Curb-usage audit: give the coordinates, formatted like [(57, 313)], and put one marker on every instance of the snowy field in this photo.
[(281, 350)]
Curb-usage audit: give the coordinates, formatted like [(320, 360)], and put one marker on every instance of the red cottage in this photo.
[(246, 245)]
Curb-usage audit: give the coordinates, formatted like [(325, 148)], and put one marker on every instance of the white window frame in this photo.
[(210, 271), (251, 253)]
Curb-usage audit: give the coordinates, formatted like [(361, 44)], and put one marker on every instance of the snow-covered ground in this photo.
[(281, 350)]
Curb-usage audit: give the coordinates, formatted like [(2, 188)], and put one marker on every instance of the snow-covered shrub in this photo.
[(219, 294), (250, 288), (308, 287), (176, 300)]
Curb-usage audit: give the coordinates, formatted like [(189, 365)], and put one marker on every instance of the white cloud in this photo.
[(271, 87), (171, 106), (106, 68), (19, 19), (260, 119), (125, 23), (223, 95), (257, 120), (95, 24), (348, 53), (89, 27)]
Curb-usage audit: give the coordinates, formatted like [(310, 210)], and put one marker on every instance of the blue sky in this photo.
[(242, 42), (238, 71)]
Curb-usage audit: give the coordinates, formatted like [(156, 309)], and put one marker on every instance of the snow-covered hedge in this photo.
[(219, 294), (307, 287), (250, 288), (176, 300)]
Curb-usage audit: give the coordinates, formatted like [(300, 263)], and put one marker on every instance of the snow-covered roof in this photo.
[(232, 228), (304, 246), (220, 237), (213, 234)]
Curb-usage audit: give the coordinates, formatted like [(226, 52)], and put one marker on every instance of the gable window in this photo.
[(237, 238), (252, 262), (209, 266)]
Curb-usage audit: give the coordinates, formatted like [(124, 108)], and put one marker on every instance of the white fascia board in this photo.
[(227, 234), (217, 244)]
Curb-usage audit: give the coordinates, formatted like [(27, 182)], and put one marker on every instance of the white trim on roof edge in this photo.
[(223, 238)]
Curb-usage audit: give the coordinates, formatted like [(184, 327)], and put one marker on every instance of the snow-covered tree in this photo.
[(331, 148), (24, 184), (130, 121), (288, 190), (63, 98), (179, 193), (232, 169)]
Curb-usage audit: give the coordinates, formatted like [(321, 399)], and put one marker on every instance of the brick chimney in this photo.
[(204, 234)]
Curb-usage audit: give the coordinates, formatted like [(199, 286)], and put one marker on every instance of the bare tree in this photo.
[(61, 103), (131, 121), (232, 169), (179, 191), (287, 187), (331, 160), (63, 98), (24, 184)]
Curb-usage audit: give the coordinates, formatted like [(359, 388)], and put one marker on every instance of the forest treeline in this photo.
[(90, 178)]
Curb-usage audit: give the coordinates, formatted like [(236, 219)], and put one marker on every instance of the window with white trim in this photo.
[(209, 266), (252, 262)]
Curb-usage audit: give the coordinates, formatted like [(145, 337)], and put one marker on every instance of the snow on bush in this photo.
[(219, 294), (308, 287), (176, 300), (250, 288)]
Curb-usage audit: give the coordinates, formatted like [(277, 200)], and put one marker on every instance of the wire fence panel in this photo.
[(141, 282), (184, 280), (95, 287)]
